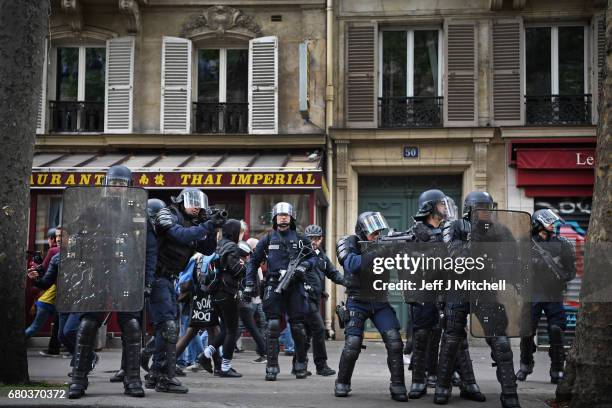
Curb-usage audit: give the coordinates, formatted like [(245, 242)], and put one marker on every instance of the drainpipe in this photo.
[(329, 121)]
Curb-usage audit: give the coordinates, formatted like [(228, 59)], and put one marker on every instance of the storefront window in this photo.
[(48, 215), (261, 211)]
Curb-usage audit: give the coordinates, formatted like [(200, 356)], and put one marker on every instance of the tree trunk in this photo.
[(23, 26), (588, 381)]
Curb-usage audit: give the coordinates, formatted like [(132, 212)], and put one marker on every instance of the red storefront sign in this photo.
[(550, 171), (555, 158), (226, 180)]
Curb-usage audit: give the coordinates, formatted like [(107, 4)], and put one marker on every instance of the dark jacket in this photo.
[(231, 269), (314, 280), (50, 276)]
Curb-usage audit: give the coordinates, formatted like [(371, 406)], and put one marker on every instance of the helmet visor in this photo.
[(548, 218), (374, 222), (195, 199), (451, 209), (283, 208), (120, 182)]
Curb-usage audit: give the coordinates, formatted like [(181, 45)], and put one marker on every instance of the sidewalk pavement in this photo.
[(370, 384)]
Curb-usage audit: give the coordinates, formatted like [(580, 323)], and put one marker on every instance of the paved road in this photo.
[(370, 384)]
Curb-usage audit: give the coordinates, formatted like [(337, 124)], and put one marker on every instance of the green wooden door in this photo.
[(396, 198)]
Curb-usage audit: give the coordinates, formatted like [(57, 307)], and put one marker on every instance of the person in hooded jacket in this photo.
[(231, 270)]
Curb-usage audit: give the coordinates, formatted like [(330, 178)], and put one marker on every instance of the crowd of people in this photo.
[(203, 285)]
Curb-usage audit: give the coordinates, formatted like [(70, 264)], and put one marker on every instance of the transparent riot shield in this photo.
[(102, 250), (499, 287)]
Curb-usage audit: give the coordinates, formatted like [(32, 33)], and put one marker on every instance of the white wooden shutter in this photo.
[(598, 28), (119, 85), (361, 83), (263, 85), (507, 57), (42, 98), (461, 85), (175, 114)]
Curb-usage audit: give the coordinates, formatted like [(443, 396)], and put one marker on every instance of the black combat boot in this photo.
[(528, 347), (167, 381), (84, 351), (556, 353), (469, 388), (273, 348), (502, 356), (298, 331), (395, 362), (348, 358), (131, 349), (420, 339), (433, 349), (446, 367)]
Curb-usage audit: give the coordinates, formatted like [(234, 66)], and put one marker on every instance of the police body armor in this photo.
[(284, 249), (173, 256)]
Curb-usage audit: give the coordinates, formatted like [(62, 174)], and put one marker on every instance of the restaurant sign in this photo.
[(181, 179)]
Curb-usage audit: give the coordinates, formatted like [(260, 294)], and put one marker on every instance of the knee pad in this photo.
[(131, 331), (87, 331), (393, 341), (352, 346), (169, 331), (501, 349), (274, 328)]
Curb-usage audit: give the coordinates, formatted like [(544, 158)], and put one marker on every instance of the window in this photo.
[(410, 85), (79, 89), (48, 215), (556, 72), (222, 91)]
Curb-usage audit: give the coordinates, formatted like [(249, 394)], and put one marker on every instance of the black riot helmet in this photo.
[(427, 203), (477, 200), (118, 175), (153, 207), (283, 208), (313, 231), (543, 219), (191, 197), (369, 222)]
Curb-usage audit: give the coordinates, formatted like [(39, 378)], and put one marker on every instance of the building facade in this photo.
[(466, 95), (228, 96)]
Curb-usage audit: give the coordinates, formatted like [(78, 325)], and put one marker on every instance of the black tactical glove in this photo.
[(300, 270)]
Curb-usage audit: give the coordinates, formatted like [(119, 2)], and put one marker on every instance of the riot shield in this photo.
[(102, 250), (499, 286), (373, 275)]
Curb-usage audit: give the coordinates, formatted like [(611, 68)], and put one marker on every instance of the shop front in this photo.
[(245, 185), (559, 174)]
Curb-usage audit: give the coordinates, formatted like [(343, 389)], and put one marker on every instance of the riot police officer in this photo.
[(282, 245), (153, 207), (314, 283), (554, 265), (454, 343), (183, 228), (369, 226), (117, 177)]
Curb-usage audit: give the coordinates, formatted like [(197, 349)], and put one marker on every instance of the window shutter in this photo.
[(507, 56), (119, 86), (175, 114), (461, 85), (598, 28), (361, 61), (42, 98), (263, 85)]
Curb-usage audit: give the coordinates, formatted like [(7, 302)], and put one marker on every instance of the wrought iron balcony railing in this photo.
[(558, 109), (221, 117), (72, 116), (410, 112)]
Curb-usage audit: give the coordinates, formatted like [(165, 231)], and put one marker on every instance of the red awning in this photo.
[(551, 172)]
